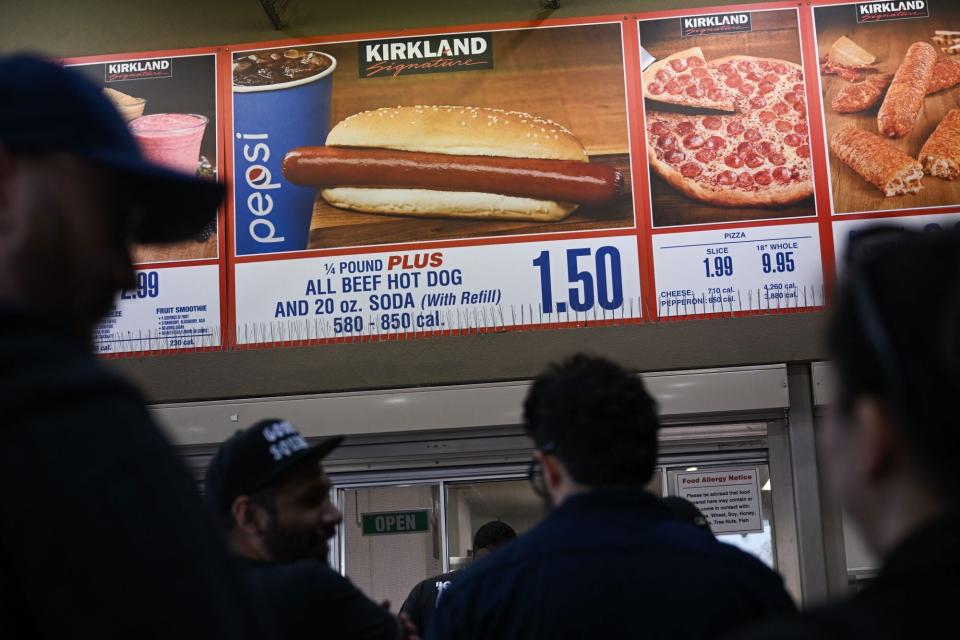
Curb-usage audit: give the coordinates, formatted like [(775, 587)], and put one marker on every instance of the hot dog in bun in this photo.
[(467, 162)]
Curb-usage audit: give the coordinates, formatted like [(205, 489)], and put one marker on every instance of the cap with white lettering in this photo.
[(253, 458)]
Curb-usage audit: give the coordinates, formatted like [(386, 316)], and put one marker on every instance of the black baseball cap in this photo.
[(45, 107), (253, 458)]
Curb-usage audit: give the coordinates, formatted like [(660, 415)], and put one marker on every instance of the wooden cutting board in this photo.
[(333, 227), (774, 34), (888, 41)]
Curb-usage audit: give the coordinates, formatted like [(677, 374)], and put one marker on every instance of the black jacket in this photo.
[(102, 533), (308, 599), (424, 597), (610, 564), (915, 596)]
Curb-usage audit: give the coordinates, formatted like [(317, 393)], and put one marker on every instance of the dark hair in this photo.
[(599, 419), (895, 337), (493, 535)]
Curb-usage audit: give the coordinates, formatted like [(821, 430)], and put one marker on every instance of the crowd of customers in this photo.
[(103, 534)]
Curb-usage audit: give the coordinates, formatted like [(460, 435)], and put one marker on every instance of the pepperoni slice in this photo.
[(781, 68), (767, 116), (792, 140), (746, 88), (745, 147), (663, 75), (766, 148), (726, 68), (752, 135), (771, 78), (674, 87), (744, 180), (659, 128), (753, 75), (707, 83), (655, 88), (801, 128), (798, 88), (674, 156), (712, 122), (726, 178), (765, 65), (667, 142), (763, 177), (753, 160), (699, 72), (766, 87), (799, 107), (782, 174), (694, 91), (781, 108), (735, 128), (744, 66), (803, 151), (686, 127), (790, 96), (694, 61), (733, 81), (706, 156), (778, 159), (715, 94), (758, 102), (714, 142), (693, 141), (678, 64), (685, 78), (691, 170), (783, 126), (733, 161)]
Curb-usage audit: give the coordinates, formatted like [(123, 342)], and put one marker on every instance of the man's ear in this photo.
[(553, 471), (248, 516), (877, 438)]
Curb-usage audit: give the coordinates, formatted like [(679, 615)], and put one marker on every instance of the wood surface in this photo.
[(187, 250), (774, 34), (573, 76), (888, 41), (332, 227)]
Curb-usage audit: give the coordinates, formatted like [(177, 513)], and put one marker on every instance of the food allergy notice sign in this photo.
[(728, 498)]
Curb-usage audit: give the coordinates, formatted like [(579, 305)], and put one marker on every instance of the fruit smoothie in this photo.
[(171, 139)]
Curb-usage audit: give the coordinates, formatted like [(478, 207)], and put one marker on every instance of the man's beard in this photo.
[(289, 544)]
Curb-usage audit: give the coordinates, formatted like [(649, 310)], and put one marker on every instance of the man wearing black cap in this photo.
[(610, 561), (101, 531), (269, 490)]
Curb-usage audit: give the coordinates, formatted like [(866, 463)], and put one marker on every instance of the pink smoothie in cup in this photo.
[(171, 139)]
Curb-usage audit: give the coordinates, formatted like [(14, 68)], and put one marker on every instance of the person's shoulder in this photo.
[(781, 628)]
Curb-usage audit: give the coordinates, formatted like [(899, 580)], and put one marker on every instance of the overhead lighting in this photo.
[(693, 468)]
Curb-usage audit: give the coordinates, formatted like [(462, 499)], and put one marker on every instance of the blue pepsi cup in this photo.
[(271, 214)]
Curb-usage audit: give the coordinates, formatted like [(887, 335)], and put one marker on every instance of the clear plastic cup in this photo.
[(171, 139)]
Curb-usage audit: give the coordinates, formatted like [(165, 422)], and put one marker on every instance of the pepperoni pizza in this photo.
[(748, 143)]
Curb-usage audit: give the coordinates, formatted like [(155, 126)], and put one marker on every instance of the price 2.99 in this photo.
[(602, 284), (148, 286)]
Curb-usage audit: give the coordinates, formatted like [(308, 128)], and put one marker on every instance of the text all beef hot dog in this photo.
[(561, 180)]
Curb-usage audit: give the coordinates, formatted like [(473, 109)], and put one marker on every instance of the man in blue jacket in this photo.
[(610, 561)]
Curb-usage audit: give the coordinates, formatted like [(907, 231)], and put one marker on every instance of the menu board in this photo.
[(676, 164), (431, 183), (731, 166), (170, 103)]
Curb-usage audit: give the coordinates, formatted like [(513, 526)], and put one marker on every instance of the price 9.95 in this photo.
[(596, 281), (148, 286)]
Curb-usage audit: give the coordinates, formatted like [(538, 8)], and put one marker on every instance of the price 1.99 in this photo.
[(719, 266), (596, 281), (148, 286)]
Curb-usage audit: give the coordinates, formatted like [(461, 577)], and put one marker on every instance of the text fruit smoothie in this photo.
[(171, 139)]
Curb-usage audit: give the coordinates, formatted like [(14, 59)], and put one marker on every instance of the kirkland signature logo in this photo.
[(138, 69), (427, 54), (720, 23), (876, 11)]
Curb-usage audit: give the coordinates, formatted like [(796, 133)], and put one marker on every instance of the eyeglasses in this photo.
[(535, 472)]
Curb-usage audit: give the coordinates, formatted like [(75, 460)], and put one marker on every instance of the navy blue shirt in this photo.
[(610, 564)]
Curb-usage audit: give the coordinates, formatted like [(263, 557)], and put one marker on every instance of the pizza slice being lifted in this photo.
[(685, 79)]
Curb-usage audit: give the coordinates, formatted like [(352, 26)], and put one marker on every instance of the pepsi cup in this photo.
[(271, 115)]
